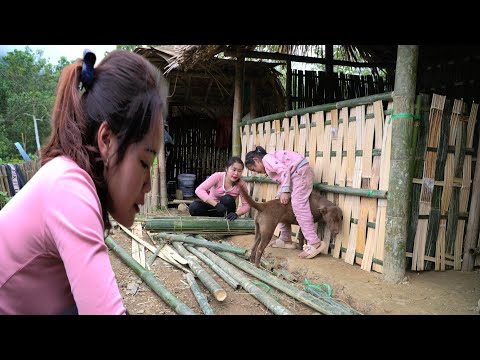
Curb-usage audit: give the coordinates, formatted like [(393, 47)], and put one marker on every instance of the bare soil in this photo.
[(422, 293)]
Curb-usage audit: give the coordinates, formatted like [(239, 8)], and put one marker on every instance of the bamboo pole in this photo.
[(210, 283), (170, 299), (237, 104), (201, 298), (327, 306), (247, 284), (197, 224), (400, 173), (199, 242), (215, 267), (325, 107)]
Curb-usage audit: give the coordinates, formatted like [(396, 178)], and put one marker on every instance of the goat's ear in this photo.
[(324, 210)]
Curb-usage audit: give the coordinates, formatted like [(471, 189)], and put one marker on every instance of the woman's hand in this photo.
[(285, 198)]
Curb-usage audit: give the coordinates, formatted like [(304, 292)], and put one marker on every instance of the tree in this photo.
[(27, 88)]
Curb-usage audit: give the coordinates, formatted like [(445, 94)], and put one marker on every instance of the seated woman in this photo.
[(219, 191)]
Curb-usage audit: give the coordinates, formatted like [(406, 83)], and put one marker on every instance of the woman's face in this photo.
[(129, 180), (234, 172), (257, 166)]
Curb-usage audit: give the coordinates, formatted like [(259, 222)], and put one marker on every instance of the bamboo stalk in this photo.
[(200, 242), (210, 283), (326, 107), (170, 299), (247, 284), (327, 306), (215, 267), (194, 224), (201, 299)]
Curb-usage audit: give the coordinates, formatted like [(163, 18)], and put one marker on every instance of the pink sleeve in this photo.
[(244, 207), (273, 165), (201, 190), (75, 224)]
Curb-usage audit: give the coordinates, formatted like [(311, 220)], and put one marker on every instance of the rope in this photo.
[(404, 115), (266, 286), (318, 287)]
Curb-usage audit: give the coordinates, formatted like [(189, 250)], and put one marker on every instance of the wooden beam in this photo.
[(237, 105), (309, 59)]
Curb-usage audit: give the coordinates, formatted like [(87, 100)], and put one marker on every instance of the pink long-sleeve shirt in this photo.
[(214, 188), (52, 252), (280, 165)]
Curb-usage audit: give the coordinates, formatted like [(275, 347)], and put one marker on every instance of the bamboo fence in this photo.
[(348, 145)]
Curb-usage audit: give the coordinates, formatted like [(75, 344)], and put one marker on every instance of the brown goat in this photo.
[(272, 212)]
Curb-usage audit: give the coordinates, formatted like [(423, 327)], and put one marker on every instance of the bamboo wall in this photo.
[(28, 168), (347, 148), (442, 177), (310, 88), (441, 185)]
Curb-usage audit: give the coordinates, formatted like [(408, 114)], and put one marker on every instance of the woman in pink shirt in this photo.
[(219, 191), (107, 126), (295, 176)]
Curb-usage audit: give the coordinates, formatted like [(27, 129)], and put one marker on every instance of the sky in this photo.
[(53, 53)]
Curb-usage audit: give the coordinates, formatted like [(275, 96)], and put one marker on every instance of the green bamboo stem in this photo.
[(218, 270), (197, 224), (170, 299), (199, 242), (210, 283), (325, 107), (247, 284), (327, 306), (374, 194), (201, 299)]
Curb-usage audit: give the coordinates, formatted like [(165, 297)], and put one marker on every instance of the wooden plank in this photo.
[(318, 117), (244, 139)]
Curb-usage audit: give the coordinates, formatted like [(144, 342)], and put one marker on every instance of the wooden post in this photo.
[(329, 73), (471, 235), (288, 87), (400, 169), (162, 171), (237, 105)]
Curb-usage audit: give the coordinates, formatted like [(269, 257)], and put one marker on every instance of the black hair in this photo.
[(258, 153)]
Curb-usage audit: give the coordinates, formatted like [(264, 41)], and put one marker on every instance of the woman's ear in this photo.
[(104, 139)]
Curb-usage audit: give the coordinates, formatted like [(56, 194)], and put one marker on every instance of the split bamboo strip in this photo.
[(199, 242), (260, 137), (201, 299), (327, 306), (447, 188), (371, 241), (292, 132), (312, 142), (244, 131), (138, 250), (210, 283), (282, 142), (320, 124), (154, 194), (266, 136), (357, 179), (218, 270), (326, 148), (247, 284), (435, 118), (380, 223), (347, 210), (170, 299), (340, 180)]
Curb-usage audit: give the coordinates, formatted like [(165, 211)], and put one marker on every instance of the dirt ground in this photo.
[(421, 293)]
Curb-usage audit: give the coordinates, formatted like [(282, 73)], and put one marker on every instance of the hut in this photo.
[(405, 177)]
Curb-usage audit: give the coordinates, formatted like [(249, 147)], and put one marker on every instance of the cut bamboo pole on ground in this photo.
[(199, 242), (170, 299), (215, 267), (197, 224), (448, 186), (327, 306), (246, 283), (435, 118), (199, 296), (210, 283)]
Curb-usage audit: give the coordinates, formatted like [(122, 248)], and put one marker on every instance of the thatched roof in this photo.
[(208, 86)]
